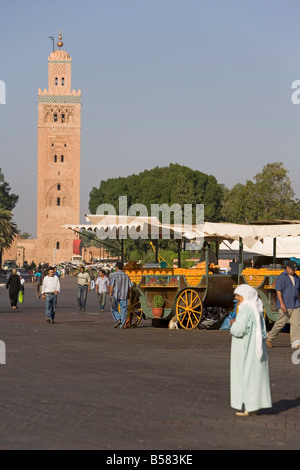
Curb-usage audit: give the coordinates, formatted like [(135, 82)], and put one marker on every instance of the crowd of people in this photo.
[(114, 285), (117, 285), (249, 370)]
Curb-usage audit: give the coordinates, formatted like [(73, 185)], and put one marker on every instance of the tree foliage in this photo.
[(8, 228), (269, 196), (8, 201), (25, 235), (175, 184)]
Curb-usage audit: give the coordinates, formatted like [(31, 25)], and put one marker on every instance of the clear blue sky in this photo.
[(203, 83)]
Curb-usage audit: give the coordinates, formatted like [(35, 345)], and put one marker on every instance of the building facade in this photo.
[(58, 186)]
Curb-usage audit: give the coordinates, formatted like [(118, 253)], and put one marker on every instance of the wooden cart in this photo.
[(185, 293)]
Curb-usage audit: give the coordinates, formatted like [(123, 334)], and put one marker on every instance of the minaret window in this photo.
[(58, 201), (62, 158), (62, 81), (55, 158), (63, 117), (56, 81), (58, 187), (57, 245), (55, 117)]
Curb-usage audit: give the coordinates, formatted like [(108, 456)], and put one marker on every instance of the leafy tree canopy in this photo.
[(25, 235), (269, 196), (8, 228), (175, 184), (7, 201)]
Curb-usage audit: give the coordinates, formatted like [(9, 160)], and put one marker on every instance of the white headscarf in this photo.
[(251, 298)]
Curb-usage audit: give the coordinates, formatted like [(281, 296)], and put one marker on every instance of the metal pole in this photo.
[(179, 254), (52, 39), (217, 250), (156, 251), (205, 248), (241, 261), (122, 249), (274, 250)]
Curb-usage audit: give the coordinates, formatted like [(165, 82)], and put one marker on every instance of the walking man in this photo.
[(101, 288), (50, 289), (120, 286), (38, 282), (84, 285), (288, 305)]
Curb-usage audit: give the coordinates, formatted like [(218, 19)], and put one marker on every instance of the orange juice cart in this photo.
[(185, 292)]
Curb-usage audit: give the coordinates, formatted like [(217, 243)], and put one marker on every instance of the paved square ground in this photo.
[(81, 384)]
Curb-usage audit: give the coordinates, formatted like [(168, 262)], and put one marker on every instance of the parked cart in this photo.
[(185, 293)]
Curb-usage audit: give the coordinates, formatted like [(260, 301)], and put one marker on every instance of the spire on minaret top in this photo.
[(59, 54), (59, 42)]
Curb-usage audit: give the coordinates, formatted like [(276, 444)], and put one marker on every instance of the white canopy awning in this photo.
[(112, 226), (250, 234), (286, 247), (125, 226)]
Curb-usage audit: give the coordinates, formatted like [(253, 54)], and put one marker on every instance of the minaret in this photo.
[(59, 129)]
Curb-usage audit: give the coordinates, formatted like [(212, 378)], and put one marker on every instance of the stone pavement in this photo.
[(81, 384)]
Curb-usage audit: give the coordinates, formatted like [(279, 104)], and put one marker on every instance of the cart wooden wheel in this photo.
[(189, 309), (135, 313)]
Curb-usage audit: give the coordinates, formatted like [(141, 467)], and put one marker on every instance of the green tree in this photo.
[(25, 235), (275, 193), (165, 185), (270, 196), (174, 184), (7, 201), (8, 229)]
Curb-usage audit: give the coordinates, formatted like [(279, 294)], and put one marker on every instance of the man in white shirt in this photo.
[(83, 286), (101, 288), (50, 289)]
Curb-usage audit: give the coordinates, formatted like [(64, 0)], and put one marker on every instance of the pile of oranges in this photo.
[(254, 277), (192, 276)]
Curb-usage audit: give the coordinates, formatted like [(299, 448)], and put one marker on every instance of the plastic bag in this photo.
[(21, 297), (226, 324)]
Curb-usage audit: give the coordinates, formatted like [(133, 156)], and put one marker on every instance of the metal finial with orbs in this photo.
[(59, 42)]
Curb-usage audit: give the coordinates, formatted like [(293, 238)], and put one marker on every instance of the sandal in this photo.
[(246, 413)]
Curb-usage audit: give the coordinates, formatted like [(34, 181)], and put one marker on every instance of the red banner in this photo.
[(76, 247)]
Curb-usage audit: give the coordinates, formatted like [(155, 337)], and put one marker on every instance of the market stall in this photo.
[(186, 291)]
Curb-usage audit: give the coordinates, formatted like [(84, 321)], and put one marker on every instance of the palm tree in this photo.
[(8, 230)]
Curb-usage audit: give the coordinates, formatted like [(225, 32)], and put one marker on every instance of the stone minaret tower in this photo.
[(59, 129)]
